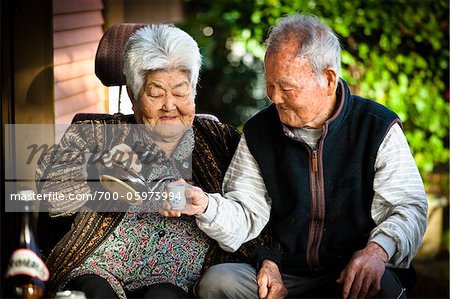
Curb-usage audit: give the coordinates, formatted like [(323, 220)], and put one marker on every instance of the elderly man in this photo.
[(334, 172)]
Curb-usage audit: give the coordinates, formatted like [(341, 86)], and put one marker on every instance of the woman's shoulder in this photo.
[(103, 118), (214, 128)]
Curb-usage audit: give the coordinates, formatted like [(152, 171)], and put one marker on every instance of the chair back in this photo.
[(109, 60), (109, 56)]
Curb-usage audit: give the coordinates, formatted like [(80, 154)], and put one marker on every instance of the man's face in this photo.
[(292, 85)]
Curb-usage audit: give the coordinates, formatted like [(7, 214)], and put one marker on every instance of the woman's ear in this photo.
[(331, 80), (130, 94), (132, 99)]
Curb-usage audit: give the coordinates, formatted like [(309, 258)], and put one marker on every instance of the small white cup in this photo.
[(176, 195)]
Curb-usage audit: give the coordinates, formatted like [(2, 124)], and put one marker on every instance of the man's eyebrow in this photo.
[(286, 81)]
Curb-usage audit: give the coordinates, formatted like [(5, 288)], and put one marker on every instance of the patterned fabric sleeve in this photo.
[(63, 170), (70, 166)]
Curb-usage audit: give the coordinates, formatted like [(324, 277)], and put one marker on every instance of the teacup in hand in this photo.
[(176, 195)]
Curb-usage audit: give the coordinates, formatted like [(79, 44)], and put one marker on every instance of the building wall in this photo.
[(77, 30), (78, 26)]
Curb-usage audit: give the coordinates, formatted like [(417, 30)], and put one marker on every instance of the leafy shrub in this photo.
[(394, 52)]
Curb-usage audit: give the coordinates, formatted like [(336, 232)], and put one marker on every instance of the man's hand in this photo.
[(270, 283), (362, 276), (196, 202)]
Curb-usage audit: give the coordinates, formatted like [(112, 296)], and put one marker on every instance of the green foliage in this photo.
[(394, 52)]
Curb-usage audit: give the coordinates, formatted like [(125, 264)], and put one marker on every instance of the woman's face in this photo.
[(165, 103)]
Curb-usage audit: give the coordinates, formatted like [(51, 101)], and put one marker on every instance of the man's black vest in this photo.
[(321, 212)]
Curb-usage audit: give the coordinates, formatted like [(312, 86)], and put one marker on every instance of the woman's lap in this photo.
[(95, 286)]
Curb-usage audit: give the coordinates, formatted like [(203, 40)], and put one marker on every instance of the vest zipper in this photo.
[(317, 209), (314, 161)]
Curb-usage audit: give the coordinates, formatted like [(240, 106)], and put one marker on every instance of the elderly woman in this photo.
[(136, 253)]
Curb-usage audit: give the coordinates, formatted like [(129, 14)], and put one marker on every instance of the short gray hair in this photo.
[(160, 47), (316, 41)]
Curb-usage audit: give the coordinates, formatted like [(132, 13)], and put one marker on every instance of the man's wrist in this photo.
[(268, 263), (210, 212), (204, 204), (379, 251), (386, 242), (262, 254)]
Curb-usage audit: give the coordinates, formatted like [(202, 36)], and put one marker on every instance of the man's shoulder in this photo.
[(374, 109), (268, 111), (265, 120)]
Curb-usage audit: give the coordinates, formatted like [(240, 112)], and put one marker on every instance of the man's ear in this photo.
[(331, 80)]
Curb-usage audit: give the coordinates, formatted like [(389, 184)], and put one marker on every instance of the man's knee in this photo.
[(160, 290), (228, 281), (217, 282)]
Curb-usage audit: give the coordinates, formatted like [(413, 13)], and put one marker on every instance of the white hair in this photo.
[(160, 47), (316, 41)]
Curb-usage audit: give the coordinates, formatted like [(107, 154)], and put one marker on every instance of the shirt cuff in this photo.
[(210, 212), (387, 243)]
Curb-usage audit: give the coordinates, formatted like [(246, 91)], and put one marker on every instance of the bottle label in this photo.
[(26, 262)]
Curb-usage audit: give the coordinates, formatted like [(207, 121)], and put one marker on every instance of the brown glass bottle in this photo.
[(27, 273)]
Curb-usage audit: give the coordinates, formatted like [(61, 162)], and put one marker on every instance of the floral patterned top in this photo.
[(147, 248)]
